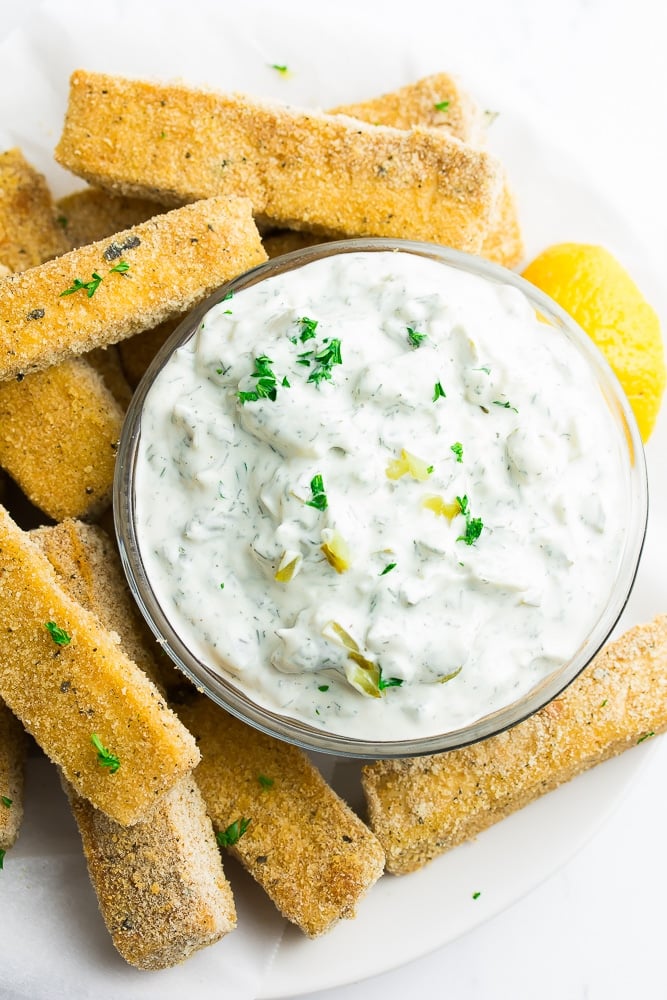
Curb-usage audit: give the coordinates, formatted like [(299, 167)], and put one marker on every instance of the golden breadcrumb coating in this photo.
[(300, 169), (306, 848), (160, 884), (83, 685), (174, 261), (12, 756), (29, 231), (59, 432), (91, 214), (421, 807)]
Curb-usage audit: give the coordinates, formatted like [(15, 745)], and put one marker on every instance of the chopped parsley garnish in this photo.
[(304, 358), (2, 858), (323, 687), (104, 757), (438, 392), (90, 287), (645, 737), (476, 895), (264, 781), (457, 448), (6, 801), (266, 382), (59, 635), (319, 501), (233, 833), (282, 69), (228, 296), (414, 338), (442, 106), (222, 586), (429, 469), (388, 682), (285, 382), (120, 268), (506, 406), (388, 568), (308, 327), (474, 525), (326, 359)]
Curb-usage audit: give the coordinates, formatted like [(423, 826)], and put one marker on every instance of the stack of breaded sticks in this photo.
[(89, 289)]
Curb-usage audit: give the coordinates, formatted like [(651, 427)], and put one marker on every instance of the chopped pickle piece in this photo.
[(441, 507), (289, 566), (364, 676), (409, 465), (336, 550), (450, 676), (361, 673)]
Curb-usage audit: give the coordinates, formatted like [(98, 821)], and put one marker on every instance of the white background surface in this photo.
[(597, 71)]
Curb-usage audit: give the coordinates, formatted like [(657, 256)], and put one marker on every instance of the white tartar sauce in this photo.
[(380, 494)]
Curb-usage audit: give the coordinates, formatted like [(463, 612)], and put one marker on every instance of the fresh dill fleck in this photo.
[(2, 858), (476, 895), (59, 635), (388, 682), (104, 756), (308, 327), (506, 405), (282, 69), (319, 501), (228, 296), (286, 382), (645, 737), (442, 106), (414, 338), (233, 833), (326, 359), (222, 586), (6, 801), (429, 469), (264, 781), (388, 568), (438, 392), (323, 687), (484, 368), (457, 448)]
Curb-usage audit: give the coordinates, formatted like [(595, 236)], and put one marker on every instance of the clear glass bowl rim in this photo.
[(221, 689)]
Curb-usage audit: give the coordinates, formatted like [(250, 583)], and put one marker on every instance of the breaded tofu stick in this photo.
[(160, 884), (436, 101), (91, 215), (300, 169), (422, 807), (91, 709), (313, 857), (174, 261), (12, 756), (59, 432), (423, 104), (29, 231), (89, 570)]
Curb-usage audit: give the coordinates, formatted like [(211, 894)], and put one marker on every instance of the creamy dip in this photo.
[(380, 494)]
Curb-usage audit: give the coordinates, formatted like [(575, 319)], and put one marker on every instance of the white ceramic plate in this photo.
[(558, 201)]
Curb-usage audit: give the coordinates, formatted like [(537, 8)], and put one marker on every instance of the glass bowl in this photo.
[(222, 689)]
